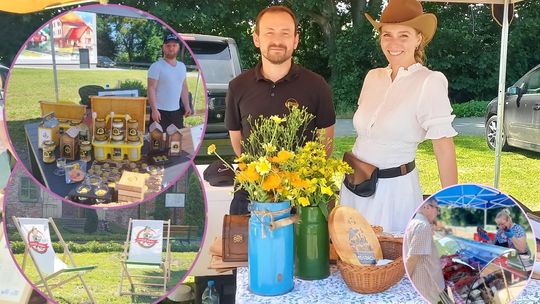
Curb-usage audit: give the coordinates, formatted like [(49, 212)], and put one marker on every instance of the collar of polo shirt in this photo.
[(293, 72)]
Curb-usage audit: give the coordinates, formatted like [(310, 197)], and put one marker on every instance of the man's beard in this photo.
[(277, 58), (170, 56)]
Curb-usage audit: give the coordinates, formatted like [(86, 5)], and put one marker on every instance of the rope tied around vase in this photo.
[(261, 215)]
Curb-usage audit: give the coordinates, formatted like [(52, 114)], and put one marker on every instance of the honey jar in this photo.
[(133, 130), (100, 125), (84, 151), (48, 151), (117, 130)]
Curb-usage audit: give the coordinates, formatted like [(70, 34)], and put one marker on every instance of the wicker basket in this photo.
[(373, 279)]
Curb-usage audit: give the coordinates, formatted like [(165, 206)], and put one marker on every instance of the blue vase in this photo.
[(270, 252)]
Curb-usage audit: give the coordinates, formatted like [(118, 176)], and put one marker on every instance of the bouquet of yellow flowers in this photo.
[(278, 164)]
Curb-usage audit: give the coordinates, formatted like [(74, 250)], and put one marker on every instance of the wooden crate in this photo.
[(62, 110), (132, 181), (134, 106)]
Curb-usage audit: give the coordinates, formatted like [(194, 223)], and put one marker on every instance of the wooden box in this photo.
[(132, 182), (158, 138), (69, 144), (62, 110), (134, 106)]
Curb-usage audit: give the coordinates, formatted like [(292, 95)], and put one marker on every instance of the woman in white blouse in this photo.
[(400, 106)]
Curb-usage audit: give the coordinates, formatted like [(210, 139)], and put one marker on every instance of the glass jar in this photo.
[(84, 151), (117, 130), (100, 125), (48, 151), (133, 130)]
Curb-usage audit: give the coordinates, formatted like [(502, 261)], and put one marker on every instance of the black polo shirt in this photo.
[(250, 94)]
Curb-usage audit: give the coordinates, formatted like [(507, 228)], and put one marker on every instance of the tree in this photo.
[(91, 224), (194, 207), (107, 46)]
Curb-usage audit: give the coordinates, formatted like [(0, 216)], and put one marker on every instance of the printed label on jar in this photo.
[(100, 131)]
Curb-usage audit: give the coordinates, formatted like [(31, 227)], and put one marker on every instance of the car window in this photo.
[(215, 60), (533, 83)]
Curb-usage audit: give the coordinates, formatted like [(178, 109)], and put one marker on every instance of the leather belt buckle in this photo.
[(403, 169)]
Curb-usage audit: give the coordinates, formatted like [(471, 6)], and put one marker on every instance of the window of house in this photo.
[(28, 190)]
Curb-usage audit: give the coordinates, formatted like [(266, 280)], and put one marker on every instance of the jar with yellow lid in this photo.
[(48, 151)]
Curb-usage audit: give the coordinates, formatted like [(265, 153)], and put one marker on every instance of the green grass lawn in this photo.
[(28, 86), (105, 279), (520, 169)]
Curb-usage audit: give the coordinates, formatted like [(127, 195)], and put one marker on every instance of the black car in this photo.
[(105, 62), (521, 114)]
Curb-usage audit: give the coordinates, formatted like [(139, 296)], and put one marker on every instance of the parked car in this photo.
[(521, 127), (220, 63), (105, 62), (3, 75)]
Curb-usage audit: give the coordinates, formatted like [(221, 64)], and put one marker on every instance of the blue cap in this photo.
[(171, 37), (210, 283)]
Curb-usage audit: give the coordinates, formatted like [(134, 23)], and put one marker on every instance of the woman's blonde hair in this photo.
[(505, 213)]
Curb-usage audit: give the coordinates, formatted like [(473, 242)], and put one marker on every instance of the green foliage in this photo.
[(160, 211), (475, 217), (473, 108), (133, 84), (175, 247), (18, 247), (91, 224), (194, 207)]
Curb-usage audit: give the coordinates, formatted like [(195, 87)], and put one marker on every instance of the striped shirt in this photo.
[(427, 277)]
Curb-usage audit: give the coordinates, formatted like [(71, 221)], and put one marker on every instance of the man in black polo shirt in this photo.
[(275, 83)]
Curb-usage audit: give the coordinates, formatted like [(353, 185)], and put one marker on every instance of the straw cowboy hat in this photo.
[(410, 13)]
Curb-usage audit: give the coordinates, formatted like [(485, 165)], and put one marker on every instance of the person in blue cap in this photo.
[(167, 87)]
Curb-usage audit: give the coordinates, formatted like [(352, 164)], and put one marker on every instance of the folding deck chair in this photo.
[(143, 250), (37, 241)]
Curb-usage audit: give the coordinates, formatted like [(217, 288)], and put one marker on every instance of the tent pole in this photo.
[(53, 55), (485, 218), (501, 95)]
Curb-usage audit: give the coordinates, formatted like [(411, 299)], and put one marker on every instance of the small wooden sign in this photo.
[(158, 138), (353, 237)]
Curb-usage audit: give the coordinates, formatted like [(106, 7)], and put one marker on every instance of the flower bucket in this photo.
[(312, 244), (270, 249)]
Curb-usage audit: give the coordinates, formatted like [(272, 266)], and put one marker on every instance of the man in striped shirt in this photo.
[(422, 258)]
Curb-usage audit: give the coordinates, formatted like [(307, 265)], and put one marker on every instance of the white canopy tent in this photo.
[(502, 74)]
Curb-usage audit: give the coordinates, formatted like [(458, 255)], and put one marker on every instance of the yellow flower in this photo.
[(268, 147), (282, 157), (303, 201), (242, 166), (273, 181), (326, 190), (277, 119), (263, 166), (249, 174), (240, 158), (211, 149)]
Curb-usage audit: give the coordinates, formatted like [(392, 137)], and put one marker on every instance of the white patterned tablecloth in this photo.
[(330, 290), (333, 290), (530, 295)]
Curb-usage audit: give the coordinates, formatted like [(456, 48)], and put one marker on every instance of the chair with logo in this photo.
[(145, 264), (53, 271)]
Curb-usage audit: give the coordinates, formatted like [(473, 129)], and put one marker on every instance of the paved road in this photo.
[(465, 126)]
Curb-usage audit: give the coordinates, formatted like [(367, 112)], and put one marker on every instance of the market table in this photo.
[(45, 172), (330, 290)]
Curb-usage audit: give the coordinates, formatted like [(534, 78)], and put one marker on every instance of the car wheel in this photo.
[(491, 134)]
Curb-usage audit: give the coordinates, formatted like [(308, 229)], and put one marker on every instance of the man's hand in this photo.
[(156, 116), (187, 110)]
